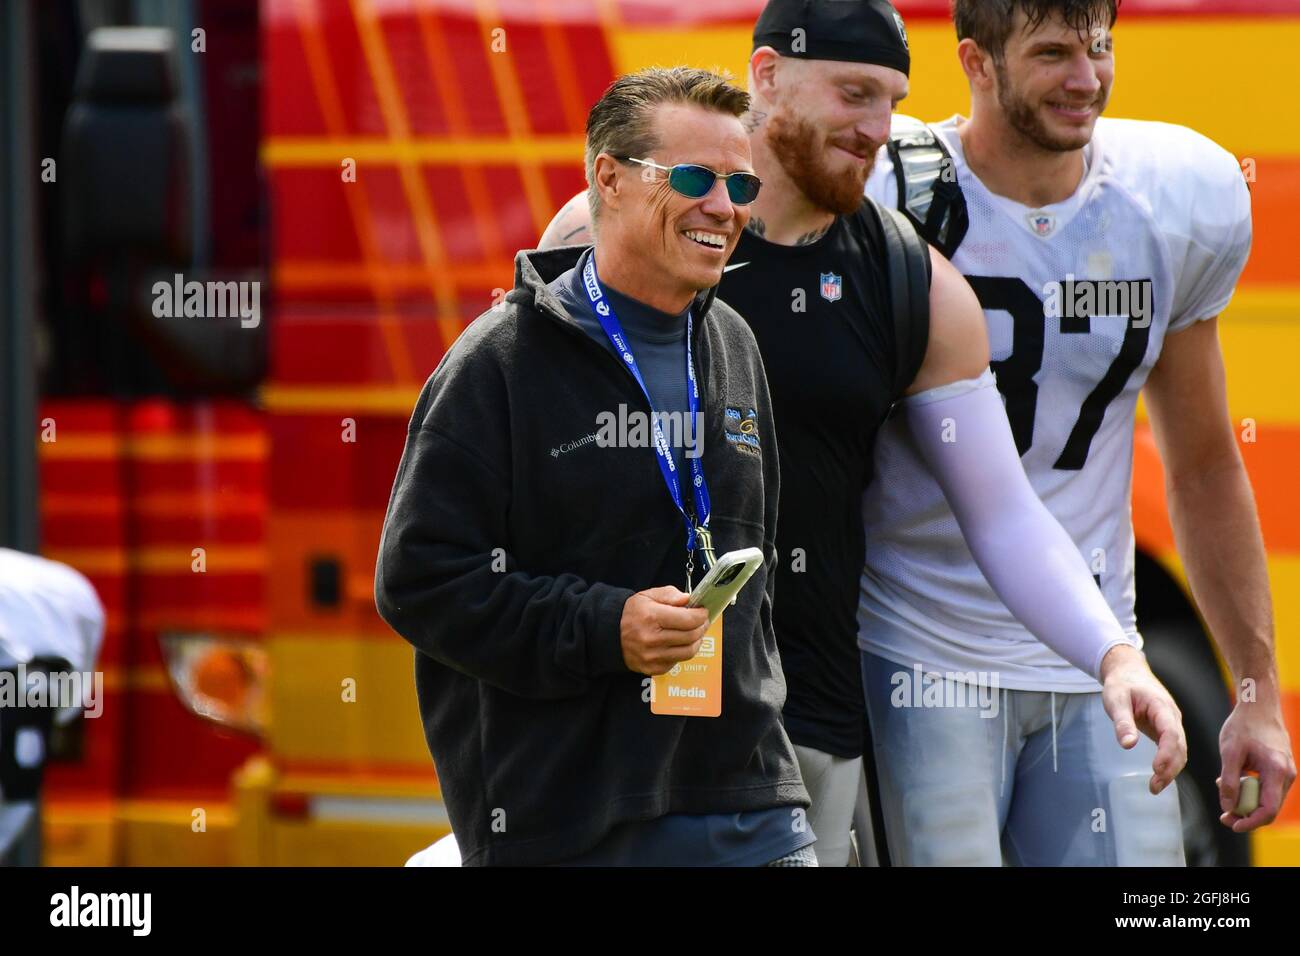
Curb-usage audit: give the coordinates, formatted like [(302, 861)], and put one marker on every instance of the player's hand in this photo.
[(658, 630), (1254, 738), (1136, 700)]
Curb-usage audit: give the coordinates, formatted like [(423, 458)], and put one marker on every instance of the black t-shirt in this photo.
[(835, 364)]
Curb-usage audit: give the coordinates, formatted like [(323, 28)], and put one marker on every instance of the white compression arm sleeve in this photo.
[(962, 433)]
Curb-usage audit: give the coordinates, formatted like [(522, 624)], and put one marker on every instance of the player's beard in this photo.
[(801, 151), (1025, 119)]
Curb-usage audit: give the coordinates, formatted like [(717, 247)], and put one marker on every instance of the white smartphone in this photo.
[(728, 575)]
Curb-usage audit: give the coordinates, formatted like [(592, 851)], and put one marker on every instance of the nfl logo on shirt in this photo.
[(832, 286), (1042, 223)]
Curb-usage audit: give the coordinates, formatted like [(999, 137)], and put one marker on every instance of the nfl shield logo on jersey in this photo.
[(1043, 223), (832, 286)]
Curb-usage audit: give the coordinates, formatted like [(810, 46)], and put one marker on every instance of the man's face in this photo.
[(1054, 82), (827, 123), (688, 241)]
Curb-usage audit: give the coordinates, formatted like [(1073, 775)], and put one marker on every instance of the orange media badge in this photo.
[(693, 688)]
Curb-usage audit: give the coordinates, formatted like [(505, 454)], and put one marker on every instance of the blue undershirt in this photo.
[(658, 341)]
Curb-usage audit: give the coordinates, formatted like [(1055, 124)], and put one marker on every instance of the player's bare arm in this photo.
[(1216, 529), (958, 347), (571, 225)]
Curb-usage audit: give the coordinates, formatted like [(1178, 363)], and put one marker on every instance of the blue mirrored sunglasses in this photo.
[(694, 181)]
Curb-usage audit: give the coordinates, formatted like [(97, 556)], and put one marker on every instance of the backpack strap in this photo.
[(907, 263)]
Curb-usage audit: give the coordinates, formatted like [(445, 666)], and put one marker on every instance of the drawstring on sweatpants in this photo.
[(1053, 731), (1002, 787)]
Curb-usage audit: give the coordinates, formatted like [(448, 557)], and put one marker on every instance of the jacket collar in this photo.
[(535, 269)]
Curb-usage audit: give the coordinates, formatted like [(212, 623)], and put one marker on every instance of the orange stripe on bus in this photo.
[(380, 400), (422, 773), (1291, 715), (1271, 461), (281, 152), (405, 277), (1150, 512), (1275, 204), (157, 447), (217, 559)]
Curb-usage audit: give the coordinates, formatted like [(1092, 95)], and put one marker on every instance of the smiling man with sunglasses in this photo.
[(541, 564)]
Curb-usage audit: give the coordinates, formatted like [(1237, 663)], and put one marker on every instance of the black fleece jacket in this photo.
[(513, 540)]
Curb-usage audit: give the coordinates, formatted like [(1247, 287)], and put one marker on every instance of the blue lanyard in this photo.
[(609, 322)]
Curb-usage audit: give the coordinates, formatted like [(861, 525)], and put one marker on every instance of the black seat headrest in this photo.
[(127, 65)]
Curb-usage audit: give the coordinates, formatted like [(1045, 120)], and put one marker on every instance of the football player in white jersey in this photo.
[(1103, 251)]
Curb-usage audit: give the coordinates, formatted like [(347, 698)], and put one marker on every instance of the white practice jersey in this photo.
[(1079, 297)]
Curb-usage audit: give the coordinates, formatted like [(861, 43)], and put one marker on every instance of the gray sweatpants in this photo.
[(1029, 776)]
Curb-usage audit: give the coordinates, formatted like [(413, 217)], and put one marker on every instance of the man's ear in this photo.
[(608, 181), (763, 65), (976, 64)]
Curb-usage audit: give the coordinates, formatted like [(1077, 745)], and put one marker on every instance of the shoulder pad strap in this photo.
[(928, 192)]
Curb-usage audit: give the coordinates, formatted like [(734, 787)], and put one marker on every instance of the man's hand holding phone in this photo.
[(658, 630)]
